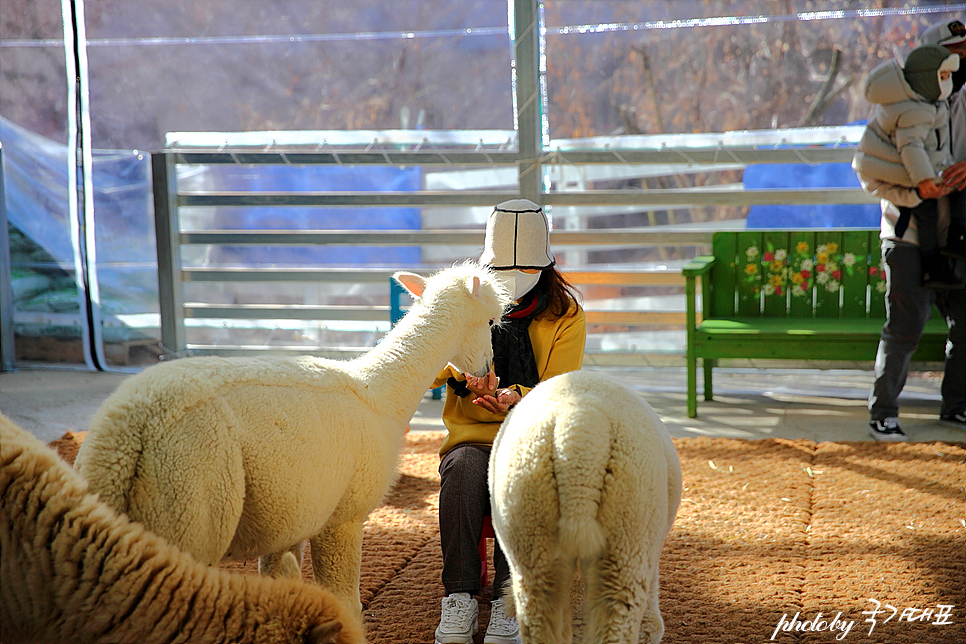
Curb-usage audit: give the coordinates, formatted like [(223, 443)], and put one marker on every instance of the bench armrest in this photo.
[(698, 266)]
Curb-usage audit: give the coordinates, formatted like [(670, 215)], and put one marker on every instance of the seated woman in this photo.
[(541, 336)]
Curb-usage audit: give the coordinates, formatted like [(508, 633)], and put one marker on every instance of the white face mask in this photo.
[(518, 282), (945, 89)]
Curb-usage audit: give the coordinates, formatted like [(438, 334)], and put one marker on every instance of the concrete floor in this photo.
[(819, 405)]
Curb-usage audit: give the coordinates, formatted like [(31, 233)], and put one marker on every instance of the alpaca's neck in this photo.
[(403, 366)]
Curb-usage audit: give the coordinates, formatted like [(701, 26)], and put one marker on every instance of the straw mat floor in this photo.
[(766, 530)]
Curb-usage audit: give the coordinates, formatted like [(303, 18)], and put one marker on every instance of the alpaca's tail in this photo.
[(108, 457), (581, 454)]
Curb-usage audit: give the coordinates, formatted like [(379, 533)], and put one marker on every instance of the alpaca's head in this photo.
[(466, 300)]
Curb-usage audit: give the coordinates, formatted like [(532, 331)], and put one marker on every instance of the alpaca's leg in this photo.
[(285, 564), (652, 622), (542, 592), (621, 598), (337, 558)]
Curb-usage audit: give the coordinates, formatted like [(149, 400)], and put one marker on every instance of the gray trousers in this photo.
[(908, 306), (464, 499)]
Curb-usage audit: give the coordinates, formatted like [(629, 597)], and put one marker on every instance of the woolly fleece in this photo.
[(236, 458), (584, 473), (75, 571)]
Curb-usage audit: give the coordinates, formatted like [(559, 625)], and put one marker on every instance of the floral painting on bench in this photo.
[(792, 272)]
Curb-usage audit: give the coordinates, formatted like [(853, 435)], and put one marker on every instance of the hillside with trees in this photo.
[(613, 67)]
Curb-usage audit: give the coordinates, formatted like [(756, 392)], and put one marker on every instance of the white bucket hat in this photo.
[(517, 237)]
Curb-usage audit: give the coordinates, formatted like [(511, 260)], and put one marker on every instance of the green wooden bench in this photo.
[(790, 295)]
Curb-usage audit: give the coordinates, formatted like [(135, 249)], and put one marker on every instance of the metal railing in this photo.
[(178, 314)]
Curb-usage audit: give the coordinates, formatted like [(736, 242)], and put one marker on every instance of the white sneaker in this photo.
[(501, 629), (458, 619)]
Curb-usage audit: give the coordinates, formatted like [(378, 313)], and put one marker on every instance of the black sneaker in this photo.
[(956, 420), (887, 430)]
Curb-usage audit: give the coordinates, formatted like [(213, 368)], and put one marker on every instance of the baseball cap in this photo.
[(947, 32)]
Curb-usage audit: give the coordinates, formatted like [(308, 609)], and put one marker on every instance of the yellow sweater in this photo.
[(558, 347)]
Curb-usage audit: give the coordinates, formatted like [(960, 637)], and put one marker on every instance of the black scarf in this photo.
[(513, 359)]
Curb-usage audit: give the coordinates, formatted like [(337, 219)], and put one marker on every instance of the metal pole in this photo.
[(168, 232), (528, 100), (7, 349)]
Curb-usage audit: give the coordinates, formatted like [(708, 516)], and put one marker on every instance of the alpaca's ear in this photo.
[(412, 282), (327, 633), (475, 291)]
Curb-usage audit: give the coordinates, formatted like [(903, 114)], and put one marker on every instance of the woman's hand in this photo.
[(485, 386), (500, 402)]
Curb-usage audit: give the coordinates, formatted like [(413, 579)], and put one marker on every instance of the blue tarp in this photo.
[(801, 175), (317, 179)]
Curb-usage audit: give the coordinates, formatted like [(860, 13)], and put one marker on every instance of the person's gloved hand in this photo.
[(929, 189), (954, 176)]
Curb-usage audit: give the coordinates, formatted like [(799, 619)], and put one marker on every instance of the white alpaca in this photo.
[(583, 473), (76, 571), (235, 458)]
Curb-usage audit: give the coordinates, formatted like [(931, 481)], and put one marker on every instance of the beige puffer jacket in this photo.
[(907, 139)]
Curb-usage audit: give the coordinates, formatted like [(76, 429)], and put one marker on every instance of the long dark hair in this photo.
[(562, 293)]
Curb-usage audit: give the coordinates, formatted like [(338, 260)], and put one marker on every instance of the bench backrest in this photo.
[(797, 273)]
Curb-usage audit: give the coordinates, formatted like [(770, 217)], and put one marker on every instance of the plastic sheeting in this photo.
[(45, 296)]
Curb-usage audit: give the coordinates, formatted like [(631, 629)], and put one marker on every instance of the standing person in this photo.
[(541, 336), (908, 304), (951, 34), (905, 149)]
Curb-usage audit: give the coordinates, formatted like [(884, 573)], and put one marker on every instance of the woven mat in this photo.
[(766, 530)]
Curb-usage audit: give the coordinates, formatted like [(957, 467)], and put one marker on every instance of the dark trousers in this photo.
[(464, 499), (908, 306), (927, 221)]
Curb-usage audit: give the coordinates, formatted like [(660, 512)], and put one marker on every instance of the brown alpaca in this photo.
[(74, 570)]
